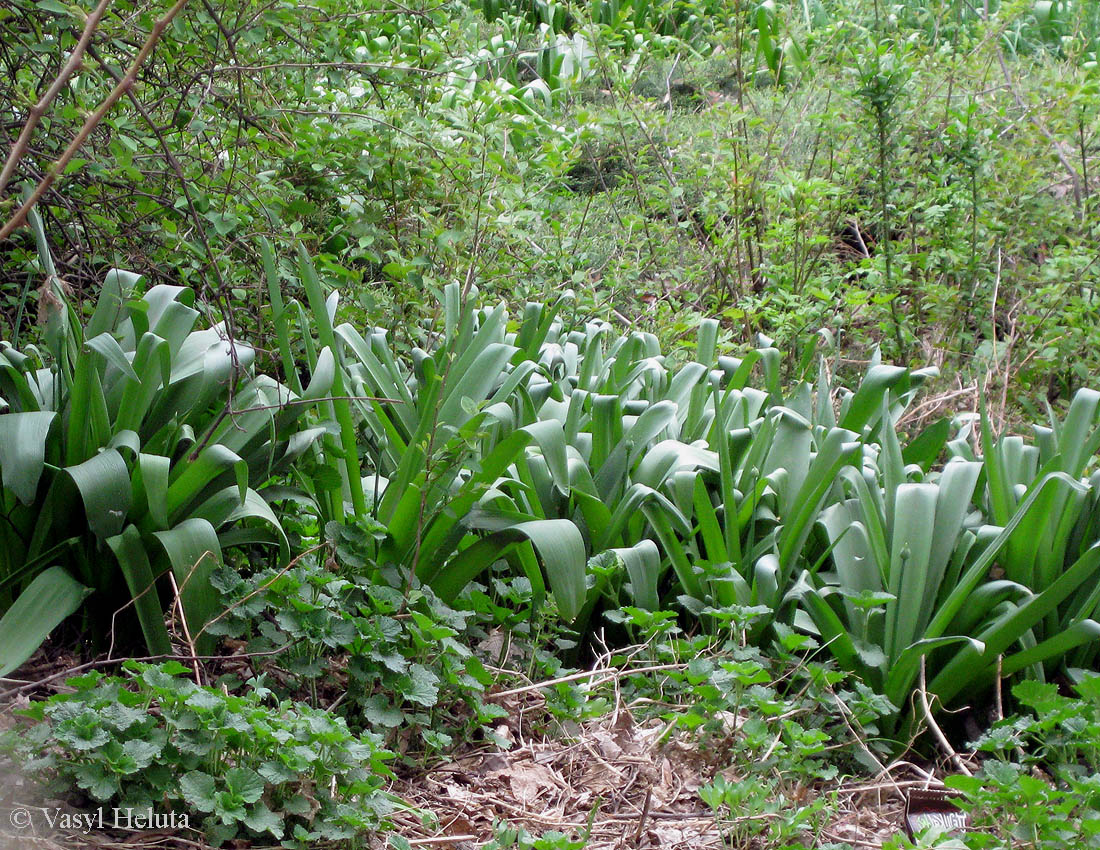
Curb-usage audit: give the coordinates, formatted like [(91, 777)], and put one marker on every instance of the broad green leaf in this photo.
[(1013, 625), (1054, 647), (245, 783), (261, 819), (113, 294), (910, 550), (104, 484), (869, 397), (23, 451), (926, 447), (559, 546), (43, 604), (199, 790), (353, 478), (130, 552), (107, 346), (194, 552), (201, 473), (643, 566)]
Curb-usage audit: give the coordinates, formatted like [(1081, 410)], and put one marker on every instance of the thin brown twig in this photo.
[(858, 738), (76, 58), (339, 66), (173, 162), (177, 603), (609, 675), (998, 703), (57, 168), (941, 739), (144, 659), (290, 565), (643, 816)]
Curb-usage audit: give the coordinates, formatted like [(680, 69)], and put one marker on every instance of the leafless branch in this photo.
[(76, 58), (58, 167)]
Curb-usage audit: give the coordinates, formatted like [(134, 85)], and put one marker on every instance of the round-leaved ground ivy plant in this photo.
[(238, 764)]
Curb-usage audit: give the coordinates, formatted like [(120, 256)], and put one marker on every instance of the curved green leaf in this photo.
[(104, 485), (46, 601), (558, 544), (23, 451), (133, 560)]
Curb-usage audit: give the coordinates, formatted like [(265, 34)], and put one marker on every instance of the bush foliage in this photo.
[(571, 321)]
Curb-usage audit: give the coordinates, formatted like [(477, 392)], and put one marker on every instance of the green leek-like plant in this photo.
[(550, 448), (130, 450), (432, 421), (913, 560)]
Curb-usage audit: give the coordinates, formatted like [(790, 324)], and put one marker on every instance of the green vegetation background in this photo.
[(713, 225)]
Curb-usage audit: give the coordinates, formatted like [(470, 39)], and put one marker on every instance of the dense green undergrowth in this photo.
[(889, 172), (514, 473), (494, 340)]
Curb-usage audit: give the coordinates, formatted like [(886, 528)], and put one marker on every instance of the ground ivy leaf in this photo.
[(120, 716), (297, 805), (262, 819), (420, 686), (245, 783), (87, 738), (93, 779), (380, 712), (165, 678), (142, 752), (204, 699), (228, 807), (393, 661), (274, 772), (198, 790), (437, 740)]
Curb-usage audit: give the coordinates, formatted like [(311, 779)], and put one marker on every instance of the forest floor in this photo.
[(609, 783)]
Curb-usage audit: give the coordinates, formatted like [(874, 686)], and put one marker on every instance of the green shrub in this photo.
[(402, 655)]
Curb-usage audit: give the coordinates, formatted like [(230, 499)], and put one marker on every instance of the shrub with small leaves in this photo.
[(239, 764)]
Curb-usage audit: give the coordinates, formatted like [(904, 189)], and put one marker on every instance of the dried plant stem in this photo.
[(587, 674), (941, 739), (178, 604), (998, 704), (642, 817), (58, 167)]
